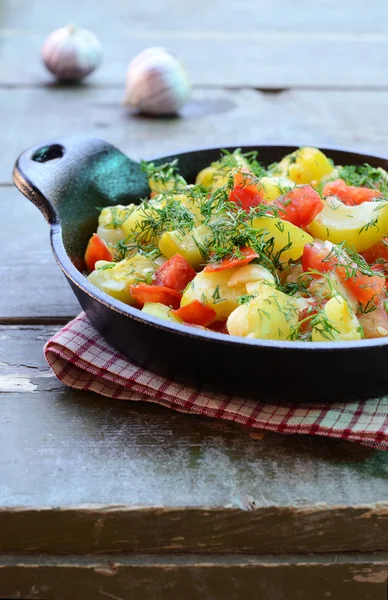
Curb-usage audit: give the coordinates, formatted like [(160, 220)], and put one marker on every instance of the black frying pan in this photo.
[(69, 177)]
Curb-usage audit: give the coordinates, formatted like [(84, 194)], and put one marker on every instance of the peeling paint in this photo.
[(16, 383), (370, 576), (108, 570)]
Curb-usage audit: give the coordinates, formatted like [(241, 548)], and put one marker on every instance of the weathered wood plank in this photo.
[(159, 578), (70, 448), (220, 16), (261, 530), (221, 43), (214, 117), (32, 283)]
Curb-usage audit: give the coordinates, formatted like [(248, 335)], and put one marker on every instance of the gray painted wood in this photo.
[(216, 578), (33, 286), (213, 118), (270, 44), (70, 448), (137, 478)]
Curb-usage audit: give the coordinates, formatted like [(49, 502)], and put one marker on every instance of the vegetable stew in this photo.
[(296, 250)]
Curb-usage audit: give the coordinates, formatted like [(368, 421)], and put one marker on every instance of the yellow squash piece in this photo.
[(116, 278), (305, 165), (186, 244), (212, 289), (338, 323), (360, 226), (270, 315), (288, 240)]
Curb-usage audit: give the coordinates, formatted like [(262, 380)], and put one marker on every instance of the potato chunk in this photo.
[(273, 187), (271, 315), (187, 245), (156, 309), (338, 322), (115, 279), (288, 240), (110, 222), (212, 289)]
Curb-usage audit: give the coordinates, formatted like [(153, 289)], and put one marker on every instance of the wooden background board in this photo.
[(212, 118), (91, 477), (225, 43), (154, 456)]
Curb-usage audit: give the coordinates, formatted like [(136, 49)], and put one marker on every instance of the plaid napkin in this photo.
[(82, 359)]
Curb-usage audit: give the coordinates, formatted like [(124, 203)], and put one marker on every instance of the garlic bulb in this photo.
[(156, 83), (71, 53)]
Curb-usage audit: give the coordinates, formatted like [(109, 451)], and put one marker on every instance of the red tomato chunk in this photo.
[(143, 293), (300, 205), (227, 263), (318, 257), (245, 193), (365, 288), (175, 274), (349, 194), (196, 313), (95, 251)]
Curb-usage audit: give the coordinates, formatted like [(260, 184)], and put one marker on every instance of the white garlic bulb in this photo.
[(71, 53), (157, 83)]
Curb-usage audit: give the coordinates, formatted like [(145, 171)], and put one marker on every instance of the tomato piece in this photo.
[(196, 313), (300, 205), (175, 274), (219, 327), (96, 250), (349, 194), (318, 257), (306, 316), (227, 263), (366, 288), (245, 193), (379, 250), (374, 323), (143, 293)]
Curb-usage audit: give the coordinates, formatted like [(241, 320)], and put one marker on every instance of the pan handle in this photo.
[(56, 174)]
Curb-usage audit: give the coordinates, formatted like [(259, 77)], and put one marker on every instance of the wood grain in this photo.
[(212, 118), (259, 530), (199, 496), (32, 283), (164, 578), (221, 43), (72, 448)]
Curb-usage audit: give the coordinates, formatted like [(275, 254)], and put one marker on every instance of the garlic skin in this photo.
[(71, 53), (157, 83)]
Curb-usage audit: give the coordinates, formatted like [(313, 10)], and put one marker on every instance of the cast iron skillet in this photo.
[(69, 177)]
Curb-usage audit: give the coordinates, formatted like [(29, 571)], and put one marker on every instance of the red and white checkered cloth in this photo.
[(82, 359)]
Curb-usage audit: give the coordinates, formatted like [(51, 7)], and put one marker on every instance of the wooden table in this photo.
[(105, 499)]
